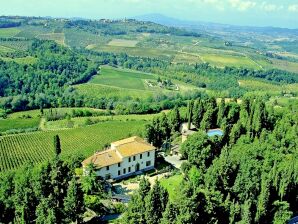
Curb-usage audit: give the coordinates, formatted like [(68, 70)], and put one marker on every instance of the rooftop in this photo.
[(120, 149)]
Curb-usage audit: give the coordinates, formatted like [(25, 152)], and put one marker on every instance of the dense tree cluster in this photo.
[(163, 127), (147, 205), (8, 24), (248, 175), (118, 27), (42, 83), (49, 193)]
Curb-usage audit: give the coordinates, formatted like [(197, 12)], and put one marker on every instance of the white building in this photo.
[(125, 157)]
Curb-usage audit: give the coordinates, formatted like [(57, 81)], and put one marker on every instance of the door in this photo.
[(137, 167)]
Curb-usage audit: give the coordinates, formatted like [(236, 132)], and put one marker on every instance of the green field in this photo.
[(123, 43), (256, 85), (229, 60), (137, 51), (8, 32), (18, 123), (81, 121), (57, 37), (172, 185), (4, 49), (121, 78), (126, 84), (24, 60), (17, 150)]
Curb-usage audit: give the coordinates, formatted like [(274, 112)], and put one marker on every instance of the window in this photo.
[(124, 171), (129, 159), (134, 158), (119, 164), (129, 169), (108, 176), (119, 172), (148, 163), (108, 168), (148, 154), (141, 156)]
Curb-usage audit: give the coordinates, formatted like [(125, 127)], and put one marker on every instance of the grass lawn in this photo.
[(36, 147), (172, 185), (8, 32), (123, 43)]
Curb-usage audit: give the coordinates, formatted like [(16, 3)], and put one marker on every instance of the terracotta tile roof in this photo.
[(104, 158), (125, 147), (127, 140), (134, 148)]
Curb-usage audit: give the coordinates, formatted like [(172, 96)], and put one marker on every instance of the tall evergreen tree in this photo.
[(174, 120), (221, 112), (57, 145), (74, 202), (156, 203)]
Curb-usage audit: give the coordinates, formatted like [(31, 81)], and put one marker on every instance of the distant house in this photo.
[(124, 158)]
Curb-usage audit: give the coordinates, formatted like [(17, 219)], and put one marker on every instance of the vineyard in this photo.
[(18, 150)]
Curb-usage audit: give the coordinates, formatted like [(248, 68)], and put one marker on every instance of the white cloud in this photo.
[(268, 7), (293, 8), (242, 5)]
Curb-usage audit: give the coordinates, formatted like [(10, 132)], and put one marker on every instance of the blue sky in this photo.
[(279, 13)]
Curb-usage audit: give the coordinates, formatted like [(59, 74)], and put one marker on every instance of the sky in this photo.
[(277, 13)]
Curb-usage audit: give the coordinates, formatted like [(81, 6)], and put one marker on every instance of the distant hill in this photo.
[(209, 26)]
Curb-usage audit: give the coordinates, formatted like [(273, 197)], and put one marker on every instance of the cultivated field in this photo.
[(8, 32), (18, 123), (24, 60), (123, 43), (81, 121), (121, 78), (17, 150), (57, 37), (229, 60), (256, 85), (4, 49), (125, 84)]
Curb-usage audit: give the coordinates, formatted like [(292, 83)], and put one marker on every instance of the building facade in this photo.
[(124, 158)]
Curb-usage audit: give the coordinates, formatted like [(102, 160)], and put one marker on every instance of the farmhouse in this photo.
[(124, 158)]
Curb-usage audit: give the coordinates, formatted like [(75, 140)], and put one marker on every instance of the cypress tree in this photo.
[(57, 145)]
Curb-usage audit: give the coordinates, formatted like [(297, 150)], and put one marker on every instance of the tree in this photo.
[(189, 114), (45, 211), (6, 198), (144, 188), (90, 182), (197, 149), (174, 120), (198, 113), (155, 202), (74, 202), (170, 214), (57, 145), (282, 213), (221, 112)]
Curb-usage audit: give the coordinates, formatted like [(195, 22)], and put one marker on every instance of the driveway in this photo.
[(174, 160)]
